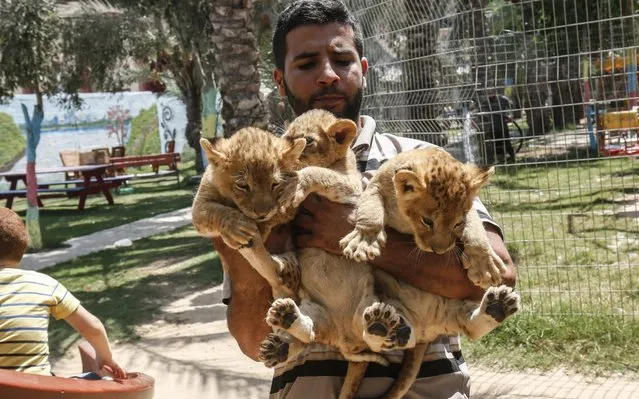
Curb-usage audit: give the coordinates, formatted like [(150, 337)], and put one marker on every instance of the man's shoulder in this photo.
[(391, 144)]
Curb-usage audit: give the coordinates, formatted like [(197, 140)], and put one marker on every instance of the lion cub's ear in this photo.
[(291, 151), (214, 156), (343, 131), (407, 182), (479, 176)]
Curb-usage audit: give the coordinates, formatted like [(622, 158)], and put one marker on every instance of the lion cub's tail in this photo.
[(358, 363)]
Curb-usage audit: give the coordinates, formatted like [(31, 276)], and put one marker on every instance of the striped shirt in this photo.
[(27, 300), (320, 371)]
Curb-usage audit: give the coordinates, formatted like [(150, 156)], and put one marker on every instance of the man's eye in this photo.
[(343, 62), (307, 66)]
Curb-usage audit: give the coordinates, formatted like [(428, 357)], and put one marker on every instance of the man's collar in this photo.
[(366, 132)]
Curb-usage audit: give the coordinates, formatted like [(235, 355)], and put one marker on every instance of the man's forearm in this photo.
[(251, 297), (442, 275)]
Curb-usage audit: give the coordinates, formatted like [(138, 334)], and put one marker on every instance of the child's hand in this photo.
[(112, 366)]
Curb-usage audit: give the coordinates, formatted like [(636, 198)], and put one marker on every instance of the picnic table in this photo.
[(94, 181)]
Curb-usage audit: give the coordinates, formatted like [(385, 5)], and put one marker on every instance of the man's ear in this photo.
[(291, 150), (343, 131), (407, 182), (214, 156), (278, 77)]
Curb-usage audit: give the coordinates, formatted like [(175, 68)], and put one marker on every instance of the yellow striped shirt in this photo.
[(27, 300)]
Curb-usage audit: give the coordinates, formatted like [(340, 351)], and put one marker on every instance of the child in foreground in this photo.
[(28, 299)]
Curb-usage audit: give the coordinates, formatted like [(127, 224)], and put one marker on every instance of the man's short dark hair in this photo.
[(312, 12), (13, 237)]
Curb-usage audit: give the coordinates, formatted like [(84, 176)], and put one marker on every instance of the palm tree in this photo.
[(236, 65)]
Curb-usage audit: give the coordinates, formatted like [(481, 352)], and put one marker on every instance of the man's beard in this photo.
[(350, 111)]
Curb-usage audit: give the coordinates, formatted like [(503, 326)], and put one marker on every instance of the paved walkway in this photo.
[(104, 239), (192, 355)]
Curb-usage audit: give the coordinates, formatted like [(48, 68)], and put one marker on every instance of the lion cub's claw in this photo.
[(240, 232), (363, 246), (485, 267)]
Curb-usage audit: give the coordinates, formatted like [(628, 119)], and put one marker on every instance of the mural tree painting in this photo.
[(30, 51), (45, 50)]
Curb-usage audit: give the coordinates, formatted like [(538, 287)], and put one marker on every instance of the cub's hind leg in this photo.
[(310, 322)]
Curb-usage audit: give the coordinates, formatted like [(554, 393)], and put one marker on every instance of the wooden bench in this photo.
[(155, 161), (79, 190)]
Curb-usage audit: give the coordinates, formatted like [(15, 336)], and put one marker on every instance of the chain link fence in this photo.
[(547, 91)]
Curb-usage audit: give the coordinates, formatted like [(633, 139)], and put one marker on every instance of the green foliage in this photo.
[(29, 45), (145, 138), (12, 142)]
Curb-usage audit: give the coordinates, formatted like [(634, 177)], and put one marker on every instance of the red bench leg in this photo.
[(83, 199)]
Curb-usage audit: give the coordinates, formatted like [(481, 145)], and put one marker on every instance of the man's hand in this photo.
[(322, 224)]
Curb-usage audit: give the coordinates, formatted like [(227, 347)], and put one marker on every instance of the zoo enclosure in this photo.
[(567, 200)]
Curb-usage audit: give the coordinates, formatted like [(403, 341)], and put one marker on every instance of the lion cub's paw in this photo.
[(380, 319), (400, 336), (273, 350), (282, 313), (238, 231), (500, 302), (485, 267), (362, 245)]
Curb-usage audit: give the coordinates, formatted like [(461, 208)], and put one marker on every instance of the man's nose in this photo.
[(328, 75)]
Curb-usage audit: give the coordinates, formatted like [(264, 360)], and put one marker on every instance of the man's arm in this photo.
[(323, 223), (251, 294)]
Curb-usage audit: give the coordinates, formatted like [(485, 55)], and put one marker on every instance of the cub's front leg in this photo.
[(212, 219), (484, 266), (334, 185), (368, 238)]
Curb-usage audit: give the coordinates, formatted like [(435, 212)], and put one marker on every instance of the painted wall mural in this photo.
[(141, 121)]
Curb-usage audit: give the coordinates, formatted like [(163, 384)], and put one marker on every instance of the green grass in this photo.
[(589, 345), (12, 143), (578, 265), (127, 287), (60, 219)]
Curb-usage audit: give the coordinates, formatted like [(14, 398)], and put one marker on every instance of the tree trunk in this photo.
[(235, 68), (33, 126)]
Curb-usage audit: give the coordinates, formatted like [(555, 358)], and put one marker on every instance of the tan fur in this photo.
[(247, 178), (336, 293), (429, 194)]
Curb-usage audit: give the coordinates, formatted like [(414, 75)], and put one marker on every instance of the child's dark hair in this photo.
[(13, 237), (312, 12)]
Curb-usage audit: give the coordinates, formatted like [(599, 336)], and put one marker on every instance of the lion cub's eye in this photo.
[(459, 225), (427, 222), (309, 140), (242, 187), (275, 185)]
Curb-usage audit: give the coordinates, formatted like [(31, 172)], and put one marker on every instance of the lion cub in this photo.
[(429, 194), (249, 175)]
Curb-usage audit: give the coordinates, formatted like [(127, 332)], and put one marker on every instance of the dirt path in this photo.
[(191, 355)]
